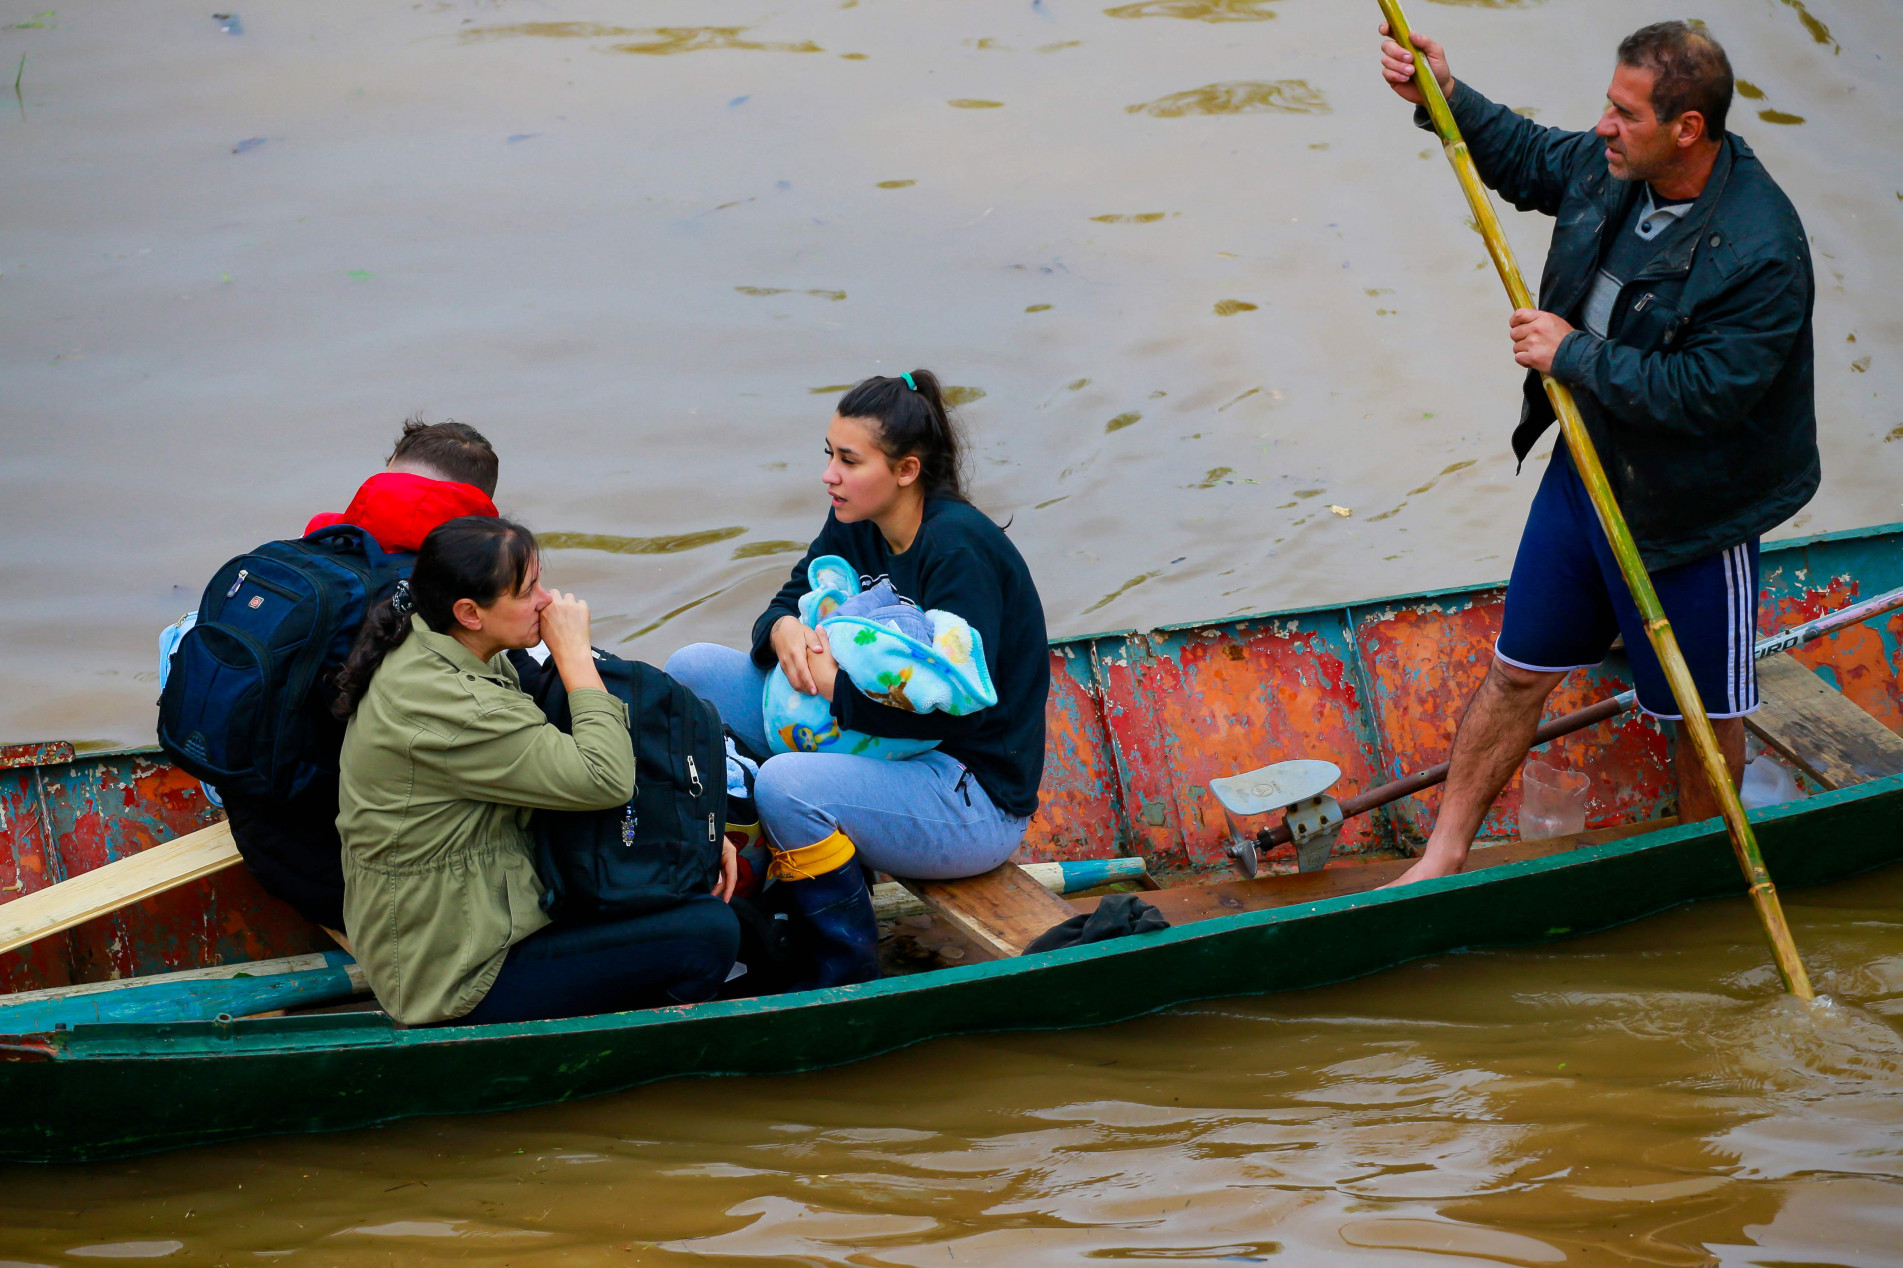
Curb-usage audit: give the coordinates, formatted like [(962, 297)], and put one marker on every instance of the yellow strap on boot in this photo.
[(812, 860)]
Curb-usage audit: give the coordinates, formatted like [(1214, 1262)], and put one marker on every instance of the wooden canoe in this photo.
[(1140, 721)]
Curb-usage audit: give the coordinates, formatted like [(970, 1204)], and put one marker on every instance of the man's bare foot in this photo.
[(1426, 868)]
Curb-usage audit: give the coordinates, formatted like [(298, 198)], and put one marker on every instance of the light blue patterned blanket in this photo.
[(917, 661)]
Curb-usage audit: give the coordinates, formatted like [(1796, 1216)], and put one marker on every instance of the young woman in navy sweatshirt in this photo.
[(898, 513)]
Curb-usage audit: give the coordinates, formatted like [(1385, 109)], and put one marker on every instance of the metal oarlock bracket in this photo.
[(1316, 826)]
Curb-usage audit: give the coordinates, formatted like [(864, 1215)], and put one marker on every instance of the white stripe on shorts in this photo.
[(1731, 629)]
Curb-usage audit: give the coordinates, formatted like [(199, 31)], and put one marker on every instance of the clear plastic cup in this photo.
[(1552, 801), (1766, 781)]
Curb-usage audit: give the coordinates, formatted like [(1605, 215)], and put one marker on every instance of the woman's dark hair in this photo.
[(479, 557), (914, 422)]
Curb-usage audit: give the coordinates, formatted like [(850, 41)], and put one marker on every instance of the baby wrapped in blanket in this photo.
[(894, 653)]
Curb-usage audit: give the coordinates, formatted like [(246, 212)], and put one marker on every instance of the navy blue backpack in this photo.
[(244, 701), (663, 847)]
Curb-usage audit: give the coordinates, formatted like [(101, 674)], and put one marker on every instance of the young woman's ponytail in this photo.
[(914, 422), (477, 557)]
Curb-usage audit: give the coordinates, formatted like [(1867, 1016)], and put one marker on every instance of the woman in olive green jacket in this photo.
[(444, 760)]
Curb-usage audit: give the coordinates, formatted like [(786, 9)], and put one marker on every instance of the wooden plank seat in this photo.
[(105, 889), (1811, 725), (1000, 911)]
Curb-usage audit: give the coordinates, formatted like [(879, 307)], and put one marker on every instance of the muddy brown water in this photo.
[(1642, 1096), (1198, 278), (1198, 283)]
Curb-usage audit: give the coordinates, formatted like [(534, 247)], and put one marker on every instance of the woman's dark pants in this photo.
[(677, 956)]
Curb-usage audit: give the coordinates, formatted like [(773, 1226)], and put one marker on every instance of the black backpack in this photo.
[(664, 846), (243, 705)]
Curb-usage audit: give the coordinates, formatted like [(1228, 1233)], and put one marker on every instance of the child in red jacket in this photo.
[(437, 472)]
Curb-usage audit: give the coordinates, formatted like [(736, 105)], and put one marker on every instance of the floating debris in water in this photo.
[(672, 544), (1141, 218), (1445, 471), (1038, 308), (1230, 307), (754, 550), (360, 275), (249, 143), (1196, 10), (228, 23), (974, 103), (665, 617), (1284, 96), (956, 396), (1121, 421), (38, 22), (522, 136), (1818, 31), (552, 30), (1215, 476), (1119, 592), (1342, 511), (763, 291), (696, 39), (1780, 116), (661, 40), (897, 184)]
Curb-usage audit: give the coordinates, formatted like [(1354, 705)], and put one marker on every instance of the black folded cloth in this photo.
[(1117, 916)]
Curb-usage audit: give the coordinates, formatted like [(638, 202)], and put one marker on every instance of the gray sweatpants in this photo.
[(925, 818)]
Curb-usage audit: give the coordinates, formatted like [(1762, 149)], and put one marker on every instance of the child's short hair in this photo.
[(456, 451)]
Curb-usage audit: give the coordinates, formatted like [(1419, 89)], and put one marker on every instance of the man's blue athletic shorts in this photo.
[(1567, 600)]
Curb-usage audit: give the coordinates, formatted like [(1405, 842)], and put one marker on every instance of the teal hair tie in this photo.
[(908, 382)]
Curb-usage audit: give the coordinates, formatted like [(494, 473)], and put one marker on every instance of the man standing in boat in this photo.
[(1676, 304)]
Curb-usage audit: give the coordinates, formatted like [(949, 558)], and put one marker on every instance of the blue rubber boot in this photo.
[(838, 907)]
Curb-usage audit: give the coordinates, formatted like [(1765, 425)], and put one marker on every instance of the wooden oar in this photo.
[(1593, 714), (1586, 459)]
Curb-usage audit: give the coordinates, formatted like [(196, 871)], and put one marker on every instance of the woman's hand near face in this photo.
[(793, 643), (565, 630)]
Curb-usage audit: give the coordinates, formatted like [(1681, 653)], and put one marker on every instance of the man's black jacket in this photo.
[(1700, 400)]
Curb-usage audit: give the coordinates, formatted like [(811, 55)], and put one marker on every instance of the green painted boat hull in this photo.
[(114, 1090)]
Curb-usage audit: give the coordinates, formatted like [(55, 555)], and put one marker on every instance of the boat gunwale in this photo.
[(122, 1041), (1066, 643), (1418, 596)]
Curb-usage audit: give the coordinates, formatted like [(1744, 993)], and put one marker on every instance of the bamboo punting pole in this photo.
[(1586, 459)]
